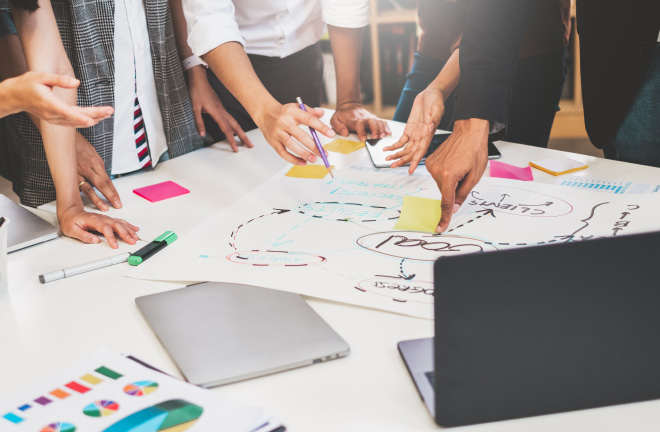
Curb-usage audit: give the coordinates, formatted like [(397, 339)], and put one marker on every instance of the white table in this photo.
[(44, 328)]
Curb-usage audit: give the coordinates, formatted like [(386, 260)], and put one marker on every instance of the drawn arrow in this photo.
[(232, 241), (564, 238), (401, 275), (546, 204), (486, 212)]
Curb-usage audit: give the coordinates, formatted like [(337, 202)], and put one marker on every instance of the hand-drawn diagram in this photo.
[(335, 239)]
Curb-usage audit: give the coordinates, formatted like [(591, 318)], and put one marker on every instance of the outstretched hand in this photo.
[(458, 164), (353, 117), (281, 128), (205, 100), (427, 111), (33, 92), (75, 222), (91, 173)]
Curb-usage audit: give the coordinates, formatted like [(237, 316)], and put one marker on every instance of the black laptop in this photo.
[(542, 330)]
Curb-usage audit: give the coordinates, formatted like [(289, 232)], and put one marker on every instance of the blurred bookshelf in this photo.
[(569, 121), (390, 20), (389, 46)]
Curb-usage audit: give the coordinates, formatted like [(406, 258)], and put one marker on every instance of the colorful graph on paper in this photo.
[(108, 392), (59, 427), (66, 390), (141, 388), (101, 408), (609, 186)]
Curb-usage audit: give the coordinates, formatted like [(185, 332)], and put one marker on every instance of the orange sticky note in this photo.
[(344, 146), (308, 171)]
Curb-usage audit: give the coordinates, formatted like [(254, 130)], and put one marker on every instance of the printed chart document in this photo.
[(337, 238), (110, 393), (617, 187)]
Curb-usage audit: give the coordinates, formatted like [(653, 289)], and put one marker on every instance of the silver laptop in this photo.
[(219, 333), (25, 228)]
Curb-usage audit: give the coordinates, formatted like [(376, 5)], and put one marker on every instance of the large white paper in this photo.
[(334, 239), (85, 398)]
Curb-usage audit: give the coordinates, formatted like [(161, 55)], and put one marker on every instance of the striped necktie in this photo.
[(141, 142)]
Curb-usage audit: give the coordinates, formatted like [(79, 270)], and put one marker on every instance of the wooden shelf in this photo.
[(395, 17), (569, 122)]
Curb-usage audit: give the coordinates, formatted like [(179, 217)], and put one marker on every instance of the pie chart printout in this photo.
[(59, 427), (174, 415), (141, 388), (101, 408)]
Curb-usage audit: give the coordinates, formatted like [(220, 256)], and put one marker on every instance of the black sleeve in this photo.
[(488, 54)]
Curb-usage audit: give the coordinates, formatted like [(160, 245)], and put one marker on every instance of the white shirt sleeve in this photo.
[(346, 13), (211, 23)]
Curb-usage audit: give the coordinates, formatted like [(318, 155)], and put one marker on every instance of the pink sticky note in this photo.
[(161, 191), (504, 170)]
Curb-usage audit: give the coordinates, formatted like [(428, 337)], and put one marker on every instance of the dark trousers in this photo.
[(535, 95), (638, 138), (298, 75)]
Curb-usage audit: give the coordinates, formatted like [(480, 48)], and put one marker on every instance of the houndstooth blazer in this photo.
[(87, 31)]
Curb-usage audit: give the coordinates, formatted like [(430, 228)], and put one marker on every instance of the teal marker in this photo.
[(133, 259), (152, 248)]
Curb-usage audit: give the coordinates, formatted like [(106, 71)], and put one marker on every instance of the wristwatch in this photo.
[(191, 62)]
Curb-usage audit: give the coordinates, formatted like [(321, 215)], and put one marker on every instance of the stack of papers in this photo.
[(110, 393), (558, 165)]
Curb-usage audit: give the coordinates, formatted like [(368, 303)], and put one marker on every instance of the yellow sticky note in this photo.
[(419, 214), (308, 171), (343, 146)]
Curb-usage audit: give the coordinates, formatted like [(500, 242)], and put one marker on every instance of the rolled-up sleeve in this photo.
[(346, 13), (211, 23), (489, 53)]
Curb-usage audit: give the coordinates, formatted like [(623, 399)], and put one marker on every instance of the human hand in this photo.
[(33, 92), (458, 164), (75, 222), (426, 113), (352, 117), (91, 171), (205, 100), (280, 125)]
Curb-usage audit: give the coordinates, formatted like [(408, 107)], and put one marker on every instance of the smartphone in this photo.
[(375, 149)]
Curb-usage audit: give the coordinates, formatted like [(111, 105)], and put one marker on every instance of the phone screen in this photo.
[(493, 152), (375, 149)]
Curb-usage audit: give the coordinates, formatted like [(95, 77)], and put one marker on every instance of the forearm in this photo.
[(347, 50), (44, 52), (13, 65), (449, 76), (7, 101), (232, 66), (180, 29)]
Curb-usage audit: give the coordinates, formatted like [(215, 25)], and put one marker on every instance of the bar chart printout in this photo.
[(107, 392), (609, 186)]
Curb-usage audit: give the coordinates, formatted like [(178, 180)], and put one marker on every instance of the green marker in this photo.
[(152, 248)]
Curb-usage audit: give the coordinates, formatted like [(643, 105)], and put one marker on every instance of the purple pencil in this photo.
[(315, 137)]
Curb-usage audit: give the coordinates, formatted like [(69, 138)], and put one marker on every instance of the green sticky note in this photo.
[(343, 146), (419, 214)]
